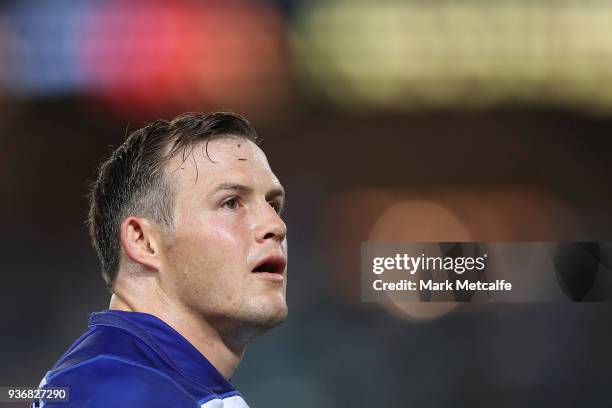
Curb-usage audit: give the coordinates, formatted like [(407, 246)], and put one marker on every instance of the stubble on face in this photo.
[(213, 247)]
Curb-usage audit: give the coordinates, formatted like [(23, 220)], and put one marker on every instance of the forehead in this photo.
[(228, 159)]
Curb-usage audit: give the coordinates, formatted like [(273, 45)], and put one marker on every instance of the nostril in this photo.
[(269, 235)]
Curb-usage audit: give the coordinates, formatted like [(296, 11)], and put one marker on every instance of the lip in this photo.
[(280, 265), (274, 277)]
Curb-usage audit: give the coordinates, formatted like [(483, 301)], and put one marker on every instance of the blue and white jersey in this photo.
[(130, 359)]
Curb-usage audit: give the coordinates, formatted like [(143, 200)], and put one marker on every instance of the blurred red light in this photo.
[(152, 58)]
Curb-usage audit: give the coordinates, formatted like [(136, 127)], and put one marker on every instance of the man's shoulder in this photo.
[(106, 379), (108, 365), (124, 365), (109, 342)]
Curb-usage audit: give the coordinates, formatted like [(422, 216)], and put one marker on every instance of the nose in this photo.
[(271, 226)]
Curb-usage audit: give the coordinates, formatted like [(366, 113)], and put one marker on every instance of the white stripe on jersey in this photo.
[(235, 401)]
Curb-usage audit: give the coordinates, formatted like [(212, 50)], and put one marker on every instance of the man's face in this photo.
[(225, 259)]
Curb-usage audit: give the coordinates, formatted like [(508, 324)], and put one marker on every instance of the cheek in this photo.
[(225, 235), (211, 242), (207, 258)]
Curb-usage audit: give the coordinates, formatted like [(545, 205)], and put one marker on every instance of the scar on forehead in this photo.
[(242, 159)]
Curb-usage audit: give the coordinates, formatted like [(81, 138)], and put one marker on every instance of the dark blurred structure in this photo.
[(441, 121)]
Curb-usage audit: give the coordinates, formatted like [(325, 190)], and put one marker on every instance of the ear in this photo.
[(140, 239)]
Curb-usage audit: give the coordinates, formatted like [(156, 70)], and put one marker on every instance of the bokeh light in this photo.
[(43, 46), (421, 55), (148, 58), (177, 56), (419, 220), (511, 212)]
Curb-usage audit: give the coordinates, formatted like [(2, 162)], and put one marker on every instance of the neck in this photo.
[(224, 355)]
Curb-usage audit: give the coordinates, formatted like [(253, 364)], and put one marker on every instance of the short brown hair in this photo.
[(133, 182)]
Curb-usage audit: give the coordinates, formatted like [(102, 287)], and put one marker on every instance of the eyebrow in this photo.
[(246, 190)]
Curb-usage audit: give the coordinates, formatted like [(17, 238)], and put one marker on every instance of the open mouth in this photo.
[(271, 264)]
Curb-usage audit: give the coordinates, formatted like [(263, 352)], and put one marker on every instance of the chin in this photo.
[(249, 320), (270, 314)]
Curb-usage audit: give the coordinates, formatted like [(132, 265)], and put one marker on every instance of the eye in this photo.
[(278, 207), (231, 203)]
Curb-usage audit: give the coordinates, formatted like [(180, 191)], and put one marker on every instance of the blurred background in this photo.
[(465, 120)]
